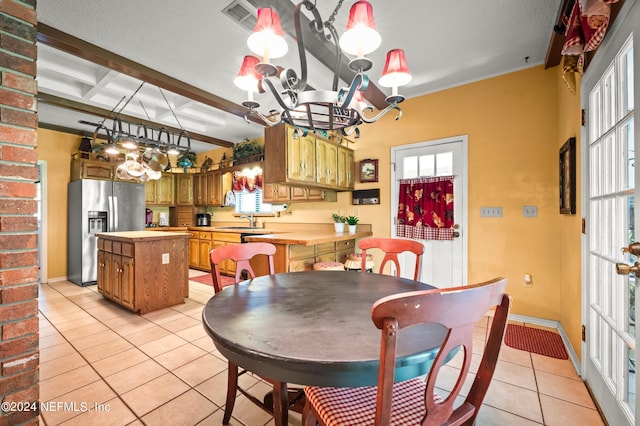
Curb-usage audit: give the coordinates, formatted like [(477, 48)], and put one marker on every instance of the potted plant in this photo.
[(247, 151), (352, 221), (338, 221)]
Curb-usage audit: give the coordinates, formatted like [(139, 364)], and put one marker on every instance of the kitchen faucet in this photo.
[(251, 220)]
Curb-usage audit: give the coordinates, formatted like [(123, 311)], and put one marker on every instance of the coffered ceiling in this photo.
[(194, 49)]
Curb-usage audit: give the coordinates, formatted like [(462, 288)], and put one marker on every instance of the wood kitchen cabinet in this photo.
[(160, 192), (91, 169), (214, 188), (306, 161), (143, 270), (302, 257), (184, 189), (202, 242), (200, 189), (310, 194), (276, 194)]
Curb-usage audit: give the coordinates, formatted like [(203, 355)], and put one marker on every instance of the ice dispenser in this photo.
[(97, 222)]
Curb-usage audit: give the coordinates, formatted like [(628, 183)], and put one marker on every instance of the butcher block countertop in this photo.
[(308, 238), (129, 236)]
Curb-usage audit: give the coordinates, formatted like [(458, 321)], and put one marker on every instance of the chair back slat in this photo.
[(458, 309), (242, 255), (392, 247)]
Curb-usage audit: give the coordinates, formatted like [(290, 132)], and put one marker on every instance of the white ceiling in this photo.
[(447, 43)]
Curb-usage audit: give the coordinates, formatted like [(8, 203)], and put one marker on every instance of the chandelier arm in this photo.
[(381, 113), (301, 84), (360, 82), (336, 70), (266, 120), (276, 95)]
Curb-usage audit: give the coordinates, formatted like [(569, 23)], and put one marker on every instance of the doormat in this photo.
[(206, 279), (530, 339)]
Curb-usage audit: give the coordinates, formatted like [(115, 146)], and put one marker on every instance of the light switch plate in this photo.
[(165, 258), (490, 211), (530, 211)]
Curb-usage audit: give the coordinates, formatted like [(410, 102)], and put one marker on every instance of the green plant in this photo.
[(247, 148), (352, 220), (338, 218)]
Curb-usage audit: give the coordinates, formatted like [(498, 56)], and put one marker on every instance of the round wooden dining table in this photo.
[(315, 328)]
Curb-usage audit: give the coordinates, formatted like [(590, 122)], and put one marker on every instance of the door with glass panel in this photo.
[(611, 248), (445, 261)]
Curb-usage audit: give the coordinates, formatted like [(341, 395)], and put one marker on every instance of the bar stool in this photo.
[(328, 266), (354, 262)]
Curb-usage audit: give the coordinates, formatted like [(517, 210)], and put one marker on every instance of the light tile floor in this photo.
[(101, 364)]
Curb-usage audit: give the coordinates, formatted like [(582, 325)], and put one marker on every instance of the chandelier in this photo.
[(341, 109)]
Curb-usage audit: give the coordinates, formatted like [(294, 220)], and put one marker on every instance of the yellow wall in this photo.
[(56, 148), (515, 124), (570, 227)]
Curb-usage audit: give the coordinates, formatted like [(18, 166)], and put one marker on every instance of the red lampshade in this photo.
[(267, 39), (396, 72), (247, 78), (361, 36)]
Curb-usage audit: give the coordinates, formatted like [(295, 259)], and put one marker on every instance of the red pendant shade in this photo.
[(361, 13), (267, 39), (396, 73), (268, 20), (247, 78), (361, 36)]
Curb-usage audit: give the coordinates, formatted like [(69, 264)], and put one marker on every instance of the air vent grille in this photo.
[(242, 12)]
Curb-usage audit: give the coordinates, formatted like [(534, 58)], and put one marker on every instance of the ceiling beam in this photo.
[(101, 112), (82, 49), (323, 51)]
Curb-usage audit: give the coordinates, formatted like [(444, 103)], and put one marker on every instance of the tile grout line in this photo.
[(102, 378)]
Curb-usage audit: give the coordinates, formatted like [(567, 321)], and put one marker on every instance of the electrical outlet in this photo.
[(165, 258), (530, 211), (490, 211), (528, 281)]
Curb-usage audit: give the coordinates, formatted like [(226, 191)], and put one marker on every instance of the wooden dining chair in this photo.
[(391, 248), (414, 401), (242, 255)]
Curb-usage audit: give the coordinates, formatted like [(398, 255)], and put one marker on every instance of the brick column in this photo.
[(19, 355)]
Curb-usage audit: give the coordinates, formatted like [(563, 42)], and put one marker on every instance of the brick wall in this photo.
[(19, 355)]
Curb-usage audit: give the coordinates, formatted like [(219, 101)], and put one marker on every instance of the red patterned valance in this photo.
[(425, 208)]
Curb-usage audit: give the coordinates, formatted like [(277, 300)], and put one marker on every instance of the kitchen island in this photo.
[(143, 270)]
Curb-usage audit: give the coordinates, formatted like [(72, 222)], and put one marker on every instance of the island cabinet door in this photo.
[(126, 284), (104, 269)]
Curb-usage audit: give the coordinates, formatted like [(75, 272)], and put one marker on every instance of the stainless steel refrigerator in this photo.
[(99, 206)]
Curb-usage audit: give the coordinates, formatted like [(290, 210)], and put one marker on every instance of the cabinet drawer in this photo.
[(205, 235), (230, 237), (325, 248), (301, 265), (299, 251), (341, 256), (344, 245), (194, 234), (127, 249), (329, 257)]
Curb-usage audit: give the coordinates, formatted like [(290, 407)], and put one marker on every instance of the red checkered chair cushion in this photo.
[(357, 406)]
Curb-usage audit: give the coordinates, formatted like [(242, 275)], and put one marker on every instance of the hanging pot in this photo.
[(155, 159)]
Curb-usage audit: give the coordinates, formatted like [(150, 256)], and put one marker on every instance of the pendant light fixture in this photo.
[(310, 109)]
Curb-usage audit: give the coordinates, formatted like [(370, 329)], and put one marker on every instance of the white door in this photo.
[(611, 190), (444, 262)]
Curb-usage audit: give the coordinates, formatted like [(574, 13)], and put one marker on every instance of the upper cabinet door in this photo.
[(301, 157)]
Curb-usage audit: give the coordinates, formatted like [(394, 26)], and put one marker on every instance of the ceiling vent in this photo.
[(243, 12)]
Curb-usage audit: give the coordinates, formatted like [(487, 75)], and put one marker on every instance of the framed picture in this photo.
[(568, 177), (369, 170)]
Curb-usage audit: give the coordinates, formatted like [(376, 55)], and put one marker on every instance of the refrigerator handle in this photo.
[(112, 213)]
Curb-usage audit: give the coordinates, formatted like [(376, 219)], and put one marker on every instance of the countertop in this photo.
[(141, 235), (308, 238)]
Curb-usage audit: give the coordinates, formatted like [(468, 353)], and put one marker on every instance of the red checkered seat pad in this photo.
[(357, 406)]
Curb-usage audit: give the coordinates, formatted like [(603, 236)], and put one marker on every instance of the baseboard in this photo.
[(55, 280), (573, 356)]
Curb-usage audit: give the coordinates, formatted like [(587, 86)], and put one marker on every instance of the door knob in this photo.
[(624, 269), (456, 234), (634, 249)]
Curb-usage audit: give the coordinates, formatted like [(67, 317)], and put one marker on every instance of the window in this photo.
[(251, 202)]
